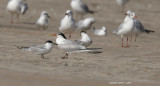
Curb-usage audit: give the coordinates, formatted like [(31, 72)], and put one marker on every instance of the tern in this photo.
[(85, 40), (68, 45), (39, 49)]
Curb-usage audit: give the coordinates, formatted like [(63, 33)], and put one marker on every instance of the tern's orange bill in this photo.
[(53, 34)]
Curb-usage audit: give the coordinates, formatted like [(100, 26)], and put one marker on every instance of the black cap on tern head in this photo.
[(49, 41), (62, 35)]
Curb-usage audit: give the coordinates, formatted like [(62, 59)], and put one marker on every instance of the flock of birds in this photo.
[(68, 25)]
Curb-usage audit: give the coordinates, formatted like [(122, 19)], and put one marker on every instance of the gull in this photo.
[(122, 3), (80, 8), (42, 22), (126, 28), (100, 32), (139, 28), (39, 49), (85, 40), (67, 25), (17, 7), (85, 24), (68, 45)]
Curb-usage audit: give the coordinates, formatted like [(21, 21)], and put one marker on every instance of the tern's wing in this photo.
[(139, 25), (38, 50), (78, 42), (69, 45), (42, 46)]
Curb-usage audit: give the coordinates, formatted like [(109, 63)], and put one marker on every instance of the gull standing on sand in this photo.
[(68, 45), (139, 28), (86, 24), (80, 8), (85, 40), (17, 7), (67, 24), (126, 28), (100, 32), (42, 22), (39, 49)]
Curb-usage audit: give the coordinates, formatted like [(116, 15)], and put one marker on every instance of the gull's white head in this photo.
[(104, 28), (131, 14), (69, 13), (45, 13)]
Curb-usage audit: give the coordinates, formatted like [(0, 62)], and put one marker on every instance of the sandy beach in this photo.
[(138, 65)]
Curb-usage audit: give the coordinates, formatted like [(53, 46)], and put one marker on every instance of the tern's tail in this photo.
[(89, 50), (21, 47), (149, 31)]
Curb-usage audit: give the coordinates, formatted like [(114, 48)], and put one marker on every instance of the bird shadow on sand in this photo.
[(17, 26), (29, 23), (95, 52), (94, 48)]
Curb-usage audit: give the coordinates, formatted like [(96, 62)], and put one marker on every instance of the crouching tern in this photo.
[(85, 40), (68, 45), (100, 32), (39, 49)]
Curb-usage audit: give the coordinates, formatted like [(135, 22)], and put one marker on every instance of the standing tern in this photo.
[(100, 32), (80, 8), (16, 7), (42, 22), (126, 28), (139, 28), (39, 49), (85, 40), (68, 45), (85, 24), (67, 25)]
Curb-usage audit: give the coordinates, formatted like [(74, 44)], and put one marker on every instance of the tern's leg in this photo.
[(122, 42), (17, 18), (131, 38), (42, 56), (127, 42), (65, 57), (135, 37), (11, 18)]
